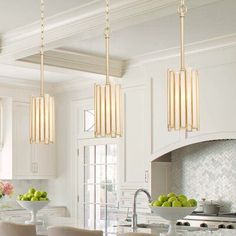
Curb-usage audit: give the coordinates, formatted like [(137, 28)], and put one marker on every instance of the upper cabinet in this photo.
[(19, 158), (217, 102), (135, 153)]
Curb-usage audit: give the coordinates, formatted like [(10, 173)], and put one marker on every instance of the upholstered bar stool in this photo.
[(71, 231), (12, 229)]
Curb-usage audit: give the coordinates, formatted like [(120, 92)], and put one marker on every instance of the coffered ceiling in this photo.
[(74, 33)]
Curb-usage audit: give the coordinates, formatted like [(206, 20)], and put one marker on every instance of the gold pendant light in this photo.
[(108, 118), (42, 118), (183, 90)]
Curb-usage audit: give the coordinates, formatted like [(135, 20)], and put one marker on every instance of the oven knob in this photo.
[(230, 227), (204, 225), (186, 224), (221, 226), (179, 223)]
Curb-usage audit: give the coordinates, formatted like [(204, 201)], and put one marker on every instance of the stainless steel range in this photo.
[(198, 219)]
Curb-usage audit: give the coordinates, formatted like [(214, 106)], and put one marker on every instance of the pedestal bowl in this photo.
[(172, 214), (33, 207)]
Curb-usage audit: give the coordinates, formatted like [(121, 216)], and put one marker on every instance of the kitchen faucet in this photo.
[(134, 221)]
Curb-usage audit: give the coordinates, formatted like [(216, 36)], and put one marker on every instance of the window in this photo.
[(89, 120), (100, 183)]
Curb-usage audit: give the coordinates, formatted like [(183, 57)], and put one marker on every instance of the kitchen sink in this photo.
[(129, 225)]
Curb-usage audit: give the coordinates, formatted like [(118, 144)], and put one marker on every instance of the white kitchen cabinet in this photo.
[(19, 158), (135, 153), (217, 101)]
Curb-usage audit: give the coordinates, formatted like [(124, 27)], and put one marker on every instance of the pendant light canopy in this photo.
[(108, 117), (42, 118), (183, 90)]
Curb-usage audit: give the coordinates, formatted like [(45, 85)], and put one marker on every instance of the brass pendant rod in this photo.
[(42, 51), (107, 41), (182, 11)]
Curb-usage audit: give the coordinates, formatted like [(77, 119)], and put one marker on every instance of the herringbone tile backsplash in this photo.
[(207, 170)]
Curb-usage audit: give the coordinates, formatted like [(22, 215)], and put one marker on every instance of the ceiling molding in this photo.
[(85, 22), (192, 48), (78, 61), (22, 83)]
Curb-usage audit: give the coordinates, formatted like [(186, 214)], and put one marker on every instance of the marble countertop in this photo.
[(121, 230)]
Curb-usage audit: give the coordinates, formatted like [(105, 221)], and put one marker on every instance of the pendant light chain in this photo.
[(182, 11), (107, 39), (42, 51)]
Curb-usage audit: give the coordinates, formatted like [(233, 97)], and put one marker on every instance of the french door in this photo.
[(98, 184)]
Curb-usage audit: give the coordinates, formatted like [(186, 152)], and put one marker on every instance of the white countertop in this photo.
[(67, 221)]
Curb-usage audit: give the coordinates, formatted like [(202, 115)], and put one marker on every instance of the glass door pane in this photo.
[(100, 186)]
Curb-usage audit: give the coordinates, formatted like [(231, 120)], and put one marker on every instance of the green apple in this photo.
[(30, 195), (24, 198), (172, 199), (157, 203), (31, 190), (192, 202), (176, 204), (19, 197), (37, 194), (169, 195), (43, 199), (181, 196), (166, 204), (162, 198), (186, 204), (43, 194), (33, 199)]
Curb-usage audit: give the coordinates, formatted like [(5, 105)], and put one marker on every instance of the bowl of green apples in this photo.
[(172, 207), (34, 200)]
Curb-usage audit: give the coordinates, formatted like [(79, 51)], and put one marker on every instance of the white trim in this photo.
[(192, 48), (192, 140)]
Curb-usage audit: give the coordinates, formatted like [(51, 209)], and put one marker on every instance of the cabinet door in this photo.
[(136, 152), (43, 163), (22, 150), (161, 137)]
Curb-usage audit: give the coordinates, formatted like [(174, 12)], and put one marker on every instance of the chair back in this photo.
[(72, 231), (12, 229)]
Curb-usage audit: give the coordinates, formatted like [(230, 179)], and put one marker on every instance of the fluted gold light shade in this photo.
[(42, 119), (183, 99), (108, 114)]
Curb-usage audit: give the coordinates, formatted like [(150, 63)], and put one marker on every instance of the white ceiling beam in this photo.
[(85, 22), (78, 61)]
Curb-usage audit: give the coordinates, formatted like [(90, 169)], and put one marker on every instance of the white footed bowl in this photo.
[(33, 207), (172, 214)]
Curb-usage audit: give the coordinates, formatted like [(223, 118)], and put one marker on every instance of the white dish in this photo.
[(33, 207), (172, 214)]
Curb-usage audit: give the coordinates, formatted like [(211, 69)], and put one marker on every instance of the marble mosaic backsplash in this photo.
[(206, 170)]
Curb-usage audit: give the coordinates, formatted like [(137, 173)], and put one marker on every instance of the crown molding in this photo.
[(78, 61), (17, 83), (192, 48), (85, 22)]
